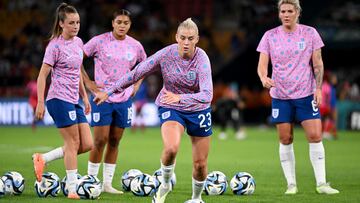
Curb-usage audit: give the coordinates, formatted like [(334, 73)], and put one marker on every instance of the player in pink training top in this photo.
[(295, 53), (63, 58), (115, 53), (184, 103)]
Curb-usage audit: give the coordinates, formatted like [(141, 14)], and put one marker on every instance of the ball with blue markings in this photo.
[(49, 186), (143, 185), (215, 183), (243, 183), (14, 183)]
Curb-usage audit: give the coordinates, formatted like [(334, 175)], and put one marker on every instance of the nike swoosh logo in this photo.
[(314, 114), (207, 129)]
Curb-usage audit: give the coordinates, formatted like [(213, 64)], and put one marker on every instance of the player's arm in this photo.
[(143, 69), (263, 71), (318, 66), (84, 95), (41, 84), (89, 84), (205, 93)]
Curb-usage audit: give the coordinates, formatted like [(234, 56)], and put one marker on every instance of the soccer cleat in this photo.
[(161, 193), (73, 196), (326, 189), (39, 165), (291, 190), (109, 189), (194, 201)]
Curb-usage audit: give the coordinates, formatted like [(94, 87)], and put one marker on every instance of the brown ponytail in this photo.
[(60, 15)]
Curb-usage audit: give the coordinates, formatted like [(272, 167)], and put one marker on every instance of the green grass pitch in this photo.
[(258, 155)]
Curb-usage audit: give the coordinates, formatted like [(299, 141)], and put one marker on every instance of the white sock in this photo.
[(53, 154), (287, 160), (167, 173), (108, 173), (197, 187), (71, 180), (93, 168), (317, 157)]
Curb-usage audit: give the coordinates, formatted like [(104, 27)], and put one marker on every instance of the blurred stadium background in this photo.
[(229, 32)]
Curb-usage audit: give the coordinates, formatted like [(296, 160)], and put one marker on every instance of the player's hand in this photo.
[(100, 97), (87, 106), (93, 87), (40, 111), (169, 97), (135, 89), (318, 97), (267, 82)]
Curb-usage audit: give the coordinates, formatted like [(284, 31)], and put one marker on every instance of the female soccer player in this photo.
[(115, 53), (63, 58), (295, 53), (184, 103)]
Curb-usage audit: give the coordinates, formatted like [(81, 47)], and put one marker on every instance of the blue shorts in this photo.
[(197, 123), (291, 110), (116, 114), (65, 113)]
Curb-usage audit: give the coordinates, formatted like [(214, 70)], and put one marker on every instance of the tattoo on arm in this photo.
[(319, 71)]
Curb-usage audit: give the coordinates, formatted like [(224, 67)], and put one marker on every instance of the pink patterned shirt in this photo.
[(114, 58), (65, 57), (191, 79), (290, 55)]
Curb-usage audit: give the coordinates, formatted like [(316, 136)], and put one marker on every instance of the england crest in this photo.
[(191, 75), (96, 117), (301, 45), (275, 113), (72, 115), (165, 115)]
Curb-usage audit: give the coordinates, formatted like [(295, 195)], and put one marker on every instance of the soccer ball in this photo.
[(242, 184), (2, 188), (143, 185), (158, 178), (128, 176), (89, 187), (215, 183), (14, 183), (49, 185), (63, 184)]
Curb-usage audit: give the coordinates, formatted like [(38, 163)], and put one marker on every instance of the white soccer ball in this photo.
[(2, 188), (64, 188), (89, 187), (158, 178), (143, 185), (48, 186), (127, 177), (14, 183), (215, 183), (242, 184)]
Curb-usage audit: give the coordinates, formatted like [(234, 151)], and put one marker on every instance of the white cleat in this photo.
[(240, 135), (326, 189), (161, 193), (194, 201), (109, 189), (291, 190)]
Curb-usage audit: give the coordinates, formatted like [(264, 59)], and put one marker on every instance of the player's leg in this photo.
[(71, 139), (308, 114), (287, 156), (283, 116), (121, 119), (199, 128), (172, 127), (100, 137), (101, 118), (110, 158)]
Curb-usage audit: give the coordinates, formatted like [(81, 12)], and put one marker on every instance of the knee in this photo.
[(171, 151), (314, 137), (200, 167), (286, 140), (85, 148), (100, 141), (72, 145), (114, 142)]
